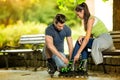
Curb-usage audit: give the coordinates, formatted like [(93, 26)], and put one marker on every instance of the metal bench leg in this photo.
[(104, 68), (6, 60), (35, 60), (25, 60), (90, 63)]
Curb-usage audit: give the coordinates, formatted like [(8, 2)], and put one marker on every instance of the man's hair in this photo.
[(60, 18)]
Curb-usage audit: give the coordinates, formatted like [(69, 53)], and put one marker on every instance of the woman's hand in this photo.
[(76, 58), (80, 39)]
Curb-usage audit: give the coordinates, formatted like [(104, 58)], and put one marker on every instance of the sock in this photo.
[(51, 61)]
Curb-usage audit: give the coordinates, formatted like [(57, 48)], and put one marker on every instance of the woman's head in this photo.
[(82, 12)]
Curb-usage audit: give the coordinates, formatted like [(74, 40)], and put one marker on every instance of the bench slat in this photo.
[(32, 39), (22, 39), (114, 32), (115, 36), (116, 40), (32, 42), (113, 53), (35, 35), (19, 51)]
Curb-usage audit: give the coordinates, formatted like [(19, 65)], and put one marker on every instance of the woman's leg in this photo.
[(84, 53)]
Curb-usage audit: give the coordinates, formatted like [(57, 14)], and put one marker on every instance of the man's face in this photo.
[(59, 26)]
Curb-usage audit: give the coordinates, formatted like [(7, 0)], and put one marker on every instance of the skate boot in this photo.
[(52, 68), (82, 69), (66, 71)]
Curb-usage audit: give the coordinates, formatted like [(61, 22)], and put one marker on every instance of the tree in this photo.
[(67, 7), (26, 10), (68, 4), (12, 10)]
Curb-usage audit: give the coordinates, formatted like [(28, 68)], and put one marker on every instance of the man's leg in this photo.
[(64, 70), (84, 53), (58, 61), (50, 62)]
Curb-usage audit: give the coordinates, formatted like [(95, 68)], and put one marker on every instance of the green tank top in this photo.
[(98, 28)]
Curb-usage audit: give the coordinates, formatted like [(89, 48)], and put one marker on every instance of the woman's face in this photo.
[(80, 14)]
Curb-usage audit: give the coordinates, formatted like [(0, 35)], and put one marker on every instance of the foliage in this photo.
[(67, 7), (12, 11), (104, 0), (18, 17), (68, 4), (11, 34), (41, 11)]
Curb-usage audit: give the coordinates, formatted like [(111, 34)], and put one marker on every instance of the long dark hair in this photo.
[(86, 16)]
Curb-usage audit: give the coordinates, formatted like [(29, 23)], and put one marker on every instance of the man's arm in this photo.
[(70, 46), (50, 45)]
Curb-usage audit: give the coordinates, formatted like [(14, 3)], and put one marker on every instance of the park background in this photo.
[(19, 17)]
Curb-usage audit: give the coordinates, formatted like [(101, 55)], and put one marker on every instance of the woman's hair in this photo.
[(86, 16), (60, 18)]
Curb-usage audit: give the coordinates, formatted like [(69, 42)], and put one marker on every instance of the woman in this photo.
[(100, 41)]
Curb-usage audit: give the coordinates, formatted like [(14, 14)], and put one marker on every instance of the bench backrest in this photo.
[(32, 39), (115, 36)]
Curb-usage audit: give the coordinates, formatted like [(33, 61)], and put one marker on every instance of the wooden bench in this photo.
[(34, 41), (113, 53)]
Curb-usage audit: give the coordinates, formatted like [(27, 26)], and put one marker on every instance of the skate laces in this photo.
[(83, 65), (68, 67)]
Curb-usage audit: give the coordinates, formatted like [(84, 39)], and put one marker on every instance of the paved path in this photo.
[(43, 75)]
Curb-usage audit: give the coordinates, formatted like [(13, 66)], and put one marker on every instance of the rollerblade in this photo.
[(52, 68), (67, 71), (82, 69)]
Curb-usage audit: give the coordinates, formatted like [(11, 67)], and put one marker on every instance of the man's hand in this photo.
[(65, 60)]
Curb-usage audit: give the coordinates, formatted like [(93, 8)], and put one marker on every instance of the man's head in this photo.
[(59, 21)]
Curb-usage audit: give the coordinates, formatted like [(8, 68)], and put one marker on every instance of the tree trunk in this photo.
[(116, 15), (116, 19)]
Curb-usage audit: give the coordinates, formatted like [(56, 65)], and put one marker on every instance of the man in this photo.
[(54, 39)]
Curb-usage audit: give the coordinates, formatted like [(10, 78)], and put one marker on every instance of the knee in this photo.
[(61, 65)]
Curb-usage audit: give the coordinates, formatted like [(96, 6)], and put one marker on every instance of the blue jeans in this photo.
[(58, 61), (84, 53)]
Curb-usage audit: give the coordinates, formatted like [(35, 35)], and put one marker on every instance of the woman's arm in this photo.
[(86, 38)]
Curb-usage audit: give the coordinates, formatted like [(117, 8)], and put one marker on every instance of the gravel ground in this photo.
[(41, 74)]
